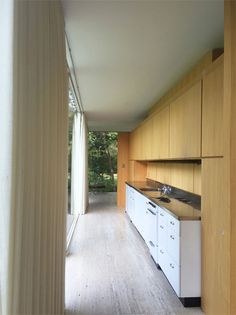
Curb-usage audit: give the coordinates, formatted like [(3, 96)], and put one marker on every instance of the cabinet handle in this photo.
[(171, 222), (161, 251), (151, 243), (172, 266), (151, 204), (161, 226), (162, 214), (153, 213), (172, 237)]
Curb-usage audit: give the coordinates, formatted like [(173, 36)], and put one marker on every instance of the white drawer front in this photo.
[(173, 246), (162, 235), (153, 251), (172, 271), (162, 258), (162, 214), (173, 225)]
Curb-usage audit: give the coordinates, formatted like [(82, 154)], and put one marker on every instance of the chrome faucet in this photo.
[(165, 190)]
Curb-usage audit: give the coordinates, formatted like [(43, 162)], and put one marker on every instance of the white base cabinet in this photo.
[(180, 254), (144, 215), (174, 245)]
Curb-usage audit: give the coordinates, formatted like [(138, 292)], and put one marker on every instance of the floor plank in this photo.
[(109, 270)]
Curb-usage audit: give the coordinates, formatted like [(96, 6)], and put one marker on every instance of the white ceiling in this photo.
[(127, 54)]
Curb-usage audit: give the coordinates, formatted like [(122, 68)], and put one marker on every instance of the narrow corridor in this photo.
[(109, 270)]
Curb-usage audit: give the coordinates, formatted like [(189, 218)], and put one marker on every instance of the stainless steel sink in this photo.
[(164, 199), (148, 189)]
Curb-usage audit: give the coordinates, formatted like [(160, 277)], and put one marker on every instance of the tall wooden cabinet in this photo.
[(185, 124), (215, 238), (212, 110)]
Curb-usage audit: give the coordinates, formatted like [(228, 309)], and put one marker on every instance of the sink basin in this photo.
[(164, 199), (148, 189)]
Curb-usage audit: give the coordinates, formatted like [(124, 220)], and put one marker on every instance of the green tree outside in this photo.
[(102, 161)]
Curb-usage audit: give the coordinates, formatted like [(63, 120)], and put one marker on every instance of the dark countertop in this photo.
[(178, 209)]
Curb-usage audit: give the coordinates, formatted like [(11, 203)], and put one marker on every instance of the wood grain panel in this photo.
[(151, 171), (122, 167), (197, 179), (185, 83), (146, 140), (160, 134), (230, 136), (215, 239), (163, 173), (137, 171), (132, 146), (185, 124), (212, 110), (186, 176), (181, 175)]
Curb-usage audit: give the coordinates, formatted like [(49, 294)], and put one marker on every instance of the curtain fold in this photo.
[(79, 180), (6, 118), (33, 157)]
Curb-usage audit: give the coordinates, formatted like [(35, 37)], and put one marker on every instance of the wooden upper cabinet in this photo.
[(185, 124), (161, 134), (146, 145), (133, 145), (212, 110)]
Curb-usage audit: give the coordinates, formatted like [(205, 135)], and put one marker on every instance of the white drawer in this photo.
[(172, 272), (162, 234), (153, 251), (173, 246), (162, 258), (173, 225), (162, 215)]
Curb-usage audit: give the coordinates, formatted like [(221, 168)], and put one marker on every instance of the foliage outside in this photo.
[(102, 161)]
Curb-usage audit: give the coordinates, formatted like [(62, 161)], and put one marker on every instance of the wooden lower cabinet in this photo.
[(215, 239)]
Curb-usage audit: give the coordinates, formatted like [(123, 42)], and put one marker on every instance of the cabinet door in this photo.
[(172, 272), (212, 111), (146, 140), (140, 206), (127, 199), (162, 229), (173, 245), (131, 203), (160, 134), (215, 233), (185, 124), (138, 143), (132, 146)]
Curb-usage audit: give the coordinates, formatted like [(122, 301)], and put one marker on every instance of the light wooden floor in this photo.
[(109, 270)]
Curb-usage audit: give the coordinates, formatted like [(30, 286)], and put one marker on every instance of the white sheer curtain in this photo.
[(6, 118), (79, 180), (33, 157)]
